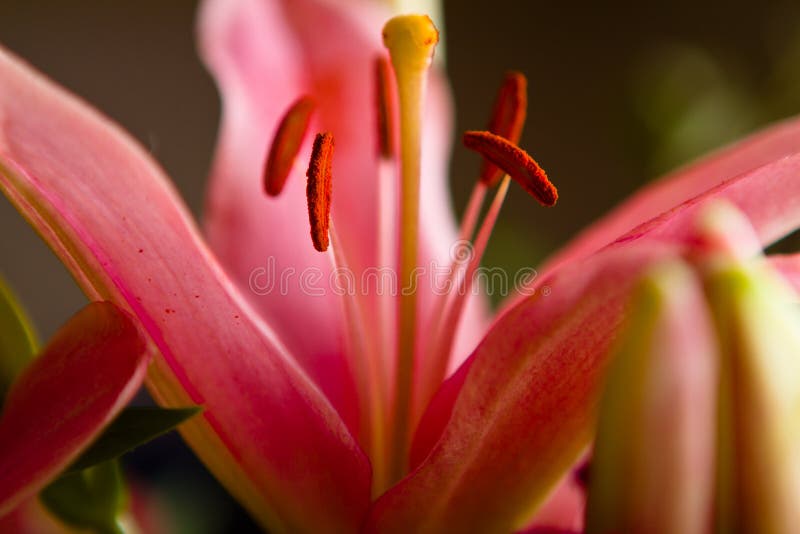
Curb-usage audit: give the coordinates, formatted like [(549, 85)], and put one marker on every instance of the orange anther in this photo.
[(384, 102), (515, 162), (508, 118), (318, 190), (286, 144)]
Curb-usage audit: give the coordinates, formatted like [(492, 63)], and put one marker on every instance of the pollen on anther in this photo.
[(384, 102), (318, 190), (508, 119), (286, 144), (515, 162)]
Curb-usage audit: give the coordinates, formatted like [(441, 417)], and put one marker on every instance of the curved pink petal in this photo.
[(265, 54), (768, 197), (111, 216), (526, 408), (264, 242), (61, 402), (771, 144)]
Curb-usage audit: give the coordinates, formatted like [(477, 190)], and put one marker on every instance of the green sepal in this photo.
[(133, 427), (17, 340), (91, 499)]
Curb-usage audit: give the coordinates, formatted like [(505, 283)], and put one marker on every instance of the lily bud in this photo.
[(758, 451), (652, 469)]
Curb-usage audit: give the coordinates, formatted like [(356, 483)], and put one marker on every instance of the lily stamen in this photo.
[(515, 162), (443, 338), (385, 105), (508, 119), (286, 144), (367, 369), (319, 190)]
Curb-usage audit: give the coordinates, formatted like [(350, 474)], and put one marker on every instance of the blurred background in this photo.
[(619, 94)]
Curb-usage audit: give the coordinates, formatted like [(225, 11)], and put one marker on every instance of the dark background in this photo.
[(618, 93)]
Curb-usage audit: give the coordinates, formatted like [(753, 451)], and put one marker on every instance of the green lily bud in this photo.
[(758, 451), (652, 469)]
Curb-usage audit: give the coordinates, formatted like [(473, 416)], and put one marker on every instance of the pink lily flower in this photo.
[(310, 414)]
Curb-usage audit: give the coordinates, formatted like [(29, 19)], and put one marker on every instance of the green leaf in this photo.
[(133, 427), (17, 340), (91, 499)]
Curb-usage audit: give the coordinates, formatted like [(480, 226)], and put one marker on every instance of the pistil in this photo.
[(411, 40)]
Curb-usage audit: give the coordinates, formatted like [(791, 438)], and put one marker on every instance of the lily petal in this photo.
[(768, 197), (788, 266), (89, 371), (111, 216), (525, 411), (761, 148), (258, 62)]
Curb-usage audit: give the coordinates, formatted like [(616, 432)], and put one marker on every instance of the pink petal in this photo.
[(525, 411), (769, 145), (252, 50), (109, 213), (264, 55), (89, 371), (788, 266), (768, 197)]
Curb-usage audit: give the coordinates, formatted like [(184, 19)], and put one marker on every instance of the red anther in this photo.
[(384, 102), (515, 162), (286, 144), (318, 190), (508, 118)]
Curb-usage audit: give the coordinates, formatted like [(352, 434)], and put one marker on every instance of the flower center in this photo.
[(392, 401)]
